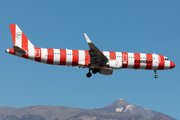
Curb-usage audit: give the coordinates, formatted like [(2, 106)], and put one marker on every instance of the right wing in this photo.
[(96, 56)]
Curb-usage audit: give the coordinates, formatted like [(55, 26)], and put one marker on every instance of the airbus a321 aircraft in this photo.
[(97, 61)]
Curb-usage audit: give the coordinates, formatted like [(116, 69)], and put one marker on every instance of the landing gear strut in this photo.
[(156, 76)]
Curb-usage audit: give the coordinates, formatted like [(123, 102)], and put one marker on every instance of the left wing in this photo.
[(96, 56)]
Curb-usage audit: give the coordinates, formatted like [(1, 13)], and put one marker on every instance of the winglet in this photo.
[(87, 38)]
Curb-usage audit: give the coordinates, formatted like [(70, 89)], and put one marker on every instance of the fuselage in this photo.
[(81, 58), (98, 61)]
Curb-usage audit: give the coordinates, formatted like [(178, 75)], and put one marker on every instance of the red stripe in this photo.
[(75, 57), (62, 57), (37, 54), (25, 45), (112, 55), (13, 30), (11, 51), (124, 60), (136, 60), (50, 56), (24, 41), (87, 58), (149, 62), (161, 64)]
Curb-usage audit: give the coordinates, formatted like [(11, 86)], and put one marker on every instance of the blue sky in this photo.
[(124, 26)]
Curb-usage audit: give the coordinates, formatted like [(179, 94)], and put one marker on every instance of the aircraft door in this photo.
[(37, 52), (124, 58)]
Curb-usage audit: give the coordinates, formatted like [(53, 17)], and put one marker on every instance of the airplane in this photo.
[(103, 62)]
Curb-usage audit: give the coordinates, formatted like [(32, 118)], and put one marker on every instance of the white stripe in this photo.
[(18, 37), (44, 55), (106, 53), (69, 57), (31, 54), (155, 62), (118, 56), (81, 57), (142, 64), (56, 57), (167, 64), (130, 60), (30, 45)]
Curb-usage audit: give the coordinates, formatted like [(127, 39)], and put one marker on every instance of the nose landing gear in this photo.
[(156, 76)]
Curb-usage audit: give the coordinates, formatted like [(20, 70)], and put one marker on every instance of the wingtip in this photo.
[(87, 38)]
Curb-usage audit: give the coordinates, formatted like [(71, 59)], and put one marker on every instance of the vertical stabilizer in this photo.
[(19, 38)]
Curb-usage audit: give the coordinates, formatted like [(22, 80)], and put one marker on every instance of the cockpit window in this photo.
[(166, 59)]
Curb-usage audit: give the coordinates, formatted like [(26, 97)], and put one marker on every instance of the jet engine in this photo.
[(115, 64), (106, 71)]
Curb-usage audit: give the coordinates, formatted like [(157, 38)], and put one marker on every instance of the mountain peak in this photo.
[(120, 99), (119, 103)]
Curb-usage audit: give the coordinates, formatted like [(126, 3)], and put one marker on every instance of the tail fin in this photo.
[(19, 38)]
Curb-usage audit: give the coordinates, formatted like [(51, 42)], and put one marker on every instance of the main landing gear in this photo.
[(94, 71), (156, 76), (89, 74)]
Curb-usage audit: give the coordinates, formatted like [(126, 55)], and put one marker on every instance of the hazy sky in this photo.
[(118, 25)]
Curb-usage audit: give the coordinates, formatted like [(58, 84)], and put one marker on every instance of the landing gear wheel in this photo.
[(94, 71), (88, 75), (155, 72), (156, 76)]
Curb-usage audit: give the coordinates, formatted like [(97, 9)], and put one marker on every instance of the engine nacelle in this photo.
[(106, 71), (115, 64)]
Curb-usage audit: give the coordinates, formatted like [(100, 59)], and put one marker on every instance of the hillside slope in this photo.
[(118, 110)]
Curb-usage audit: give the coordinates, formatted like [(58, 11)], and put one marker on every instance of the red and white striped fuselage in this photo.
[(103, 61), (81, 58)]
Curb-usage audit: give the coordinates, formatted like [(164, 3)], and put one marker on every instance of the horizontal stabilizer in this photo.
[(19, 50)]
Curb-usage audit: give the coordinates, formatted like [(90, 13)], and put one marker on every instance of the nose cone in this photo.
[(172, 65)]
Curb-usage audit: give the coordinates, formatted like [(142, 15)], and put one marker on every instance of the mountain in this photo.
[(61, 113), (118, 110), (123, 106)]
